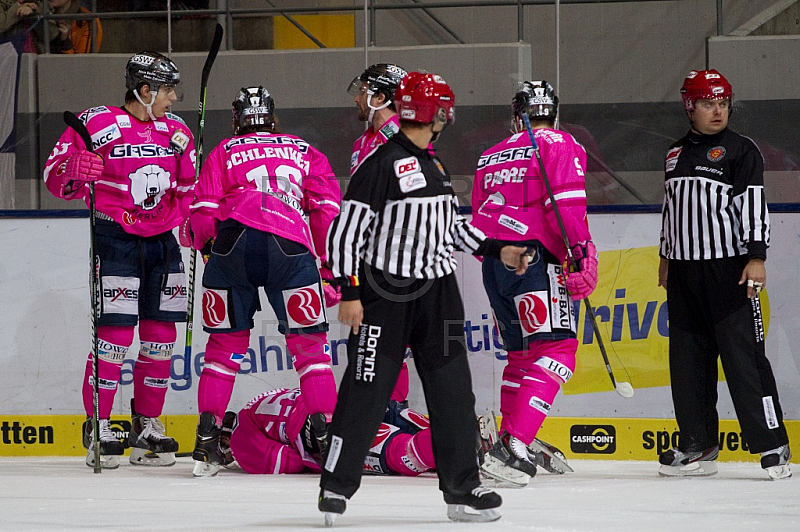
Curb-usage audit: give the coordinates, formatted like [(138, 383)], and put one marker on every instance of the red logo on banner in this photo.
[(213, 308), (532, 313), (304, 306)]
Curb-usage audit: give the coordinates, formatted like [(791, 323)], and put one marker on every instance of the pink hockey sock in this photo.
[(512, 380), (411, 455), (113, 344), (151, 372), (546, 366), (312, 361), (224, 352), (400, 392)]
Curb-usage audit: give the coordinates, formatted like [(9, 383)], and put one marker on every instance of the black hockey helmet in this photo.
[(151, 68), (253, 107), (537, 99), (380, 78)]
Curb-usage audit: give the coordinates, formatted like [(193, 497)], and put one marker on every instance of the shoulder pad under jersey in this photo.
[(175, 117), (389, 129), (90, 113)]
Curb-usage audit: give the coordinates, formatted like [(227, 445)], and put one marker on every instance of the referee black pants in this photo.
[(428, 316), (710, 316)]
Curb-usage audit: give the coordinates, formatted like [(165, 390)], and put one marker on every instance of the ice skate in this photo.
[(508, 461), (548, 457), (229, 423), (207, 456), (479, 506), (319, 426), (677, 463), (776, 462), (495, 473), (332, 505), (110, 447), (149, 445)]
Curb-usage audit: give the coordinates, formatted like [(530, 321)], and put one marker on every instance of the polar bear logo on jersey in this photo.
[(148, 185)]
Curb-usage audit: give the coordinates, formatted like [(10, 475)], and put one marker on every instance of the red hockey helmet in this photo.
[(420, 96), (705, 85)]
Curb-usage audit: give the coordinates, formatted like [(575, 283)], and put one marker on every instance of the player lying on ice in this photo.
[(273, 434)]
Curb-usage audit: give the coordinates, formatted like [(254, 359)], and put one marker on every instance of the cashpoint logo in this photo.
[(593, 439), (121, 429)]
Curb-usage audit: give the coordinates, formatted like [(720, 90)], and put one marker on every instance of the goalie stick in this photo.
[(212, 56), (623, 388), (80, 128)]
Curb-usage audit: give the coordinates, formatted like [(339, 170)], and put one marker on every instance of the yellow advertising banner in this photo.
[(578, 438), (632, 315)]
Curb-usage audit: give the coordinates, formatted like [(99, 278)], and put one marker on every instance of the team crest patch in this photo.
[(304, 306), (715, 154), (533, 312), (215, 309), (439, 166)]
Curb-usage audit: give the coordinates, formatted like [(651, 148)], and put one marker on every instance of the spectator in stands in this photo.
[(12, 18), (73, 36)]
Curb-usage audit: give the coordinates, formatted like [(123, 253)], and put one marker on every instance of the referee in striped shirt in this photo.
[(714, 240), (391, 250)]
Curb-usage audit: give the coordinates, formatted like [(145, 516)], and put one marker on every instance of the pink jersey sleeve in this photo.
[(322, 198), (210, 186), (565, 164), (69, 143)]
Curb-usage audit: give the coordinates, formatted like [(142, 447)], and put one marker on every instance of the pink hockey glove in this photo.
[(581, 283), (332, 294), (80, 168), (202, 227)]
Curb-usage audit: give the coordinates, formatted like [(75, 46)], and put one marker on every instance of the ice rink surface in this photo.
[(604, 496)]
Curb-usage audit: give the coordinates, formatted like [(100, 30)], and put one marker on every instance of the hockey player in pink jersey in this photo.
[(143, 171), (373, 94), (266, 200), (275, 434), (533, 312)]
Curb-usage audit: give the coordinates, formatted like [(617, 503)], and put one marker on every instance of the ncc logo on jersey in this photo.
[(105, 135), (215, 309), (304, 306)]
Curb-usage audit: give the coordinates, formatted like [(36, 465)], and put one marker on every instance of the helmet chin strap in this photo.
[(148, 106), (373, 109)]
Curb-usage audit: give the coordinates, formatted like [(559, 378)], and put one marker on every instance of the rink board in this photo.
[(578, 438), (45, 338)]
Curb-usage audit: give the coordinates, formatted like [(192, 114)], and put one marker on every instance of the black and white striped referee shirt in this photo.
[(400, 215), (714, 205)]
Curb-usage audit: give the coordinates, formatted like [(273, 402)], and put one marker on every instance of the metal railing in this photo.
[(226, 14)]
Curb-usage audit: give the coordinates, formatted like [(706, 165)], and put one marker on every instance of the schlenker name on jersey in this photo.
[(140, 151), (300, 144), (514, 154)]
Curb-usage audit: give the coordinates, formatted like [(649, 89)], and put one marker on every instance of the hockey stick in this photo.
[(623, 388), (75, 123), (212, 56)]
